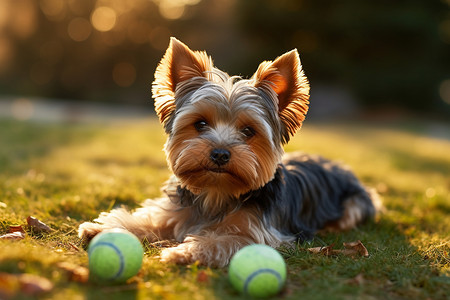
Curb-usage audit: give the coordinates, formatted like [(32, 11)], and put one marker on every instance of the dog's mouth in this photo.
[(204, 178), (225, 171), (216, 170), (219, 171)]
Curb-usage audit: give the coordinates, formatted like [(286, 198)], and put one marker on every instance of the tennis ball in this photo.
[(258, 271), (115, 256)]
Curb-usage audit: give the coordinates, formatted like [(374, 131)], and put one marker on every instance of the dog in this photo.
[(232, 185)]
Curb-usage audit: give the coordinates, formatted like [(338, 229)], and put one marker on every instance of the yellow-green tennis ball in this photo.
[(258, 271), (115, 256)]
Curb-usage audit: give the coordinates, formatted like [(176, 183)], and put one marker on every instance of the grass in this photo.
[(64, 174)]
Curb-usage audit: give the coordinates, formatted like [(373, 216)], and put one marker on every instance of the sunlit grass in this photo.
[(65, 174)]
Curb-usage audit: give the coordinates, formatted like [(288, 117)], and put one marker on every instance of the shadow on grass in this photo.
[(395, 268), (129, 291)]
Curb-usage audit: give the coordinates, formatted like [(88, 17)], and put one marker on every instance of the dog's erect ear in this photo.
[(178, 64), (285, 77)]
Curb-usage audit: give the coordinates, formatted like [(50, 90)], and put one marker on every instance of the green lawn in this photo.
[(64, 174)]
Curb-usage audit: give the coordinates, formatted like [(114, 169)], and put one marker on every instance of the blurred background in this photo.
[(372, 56)]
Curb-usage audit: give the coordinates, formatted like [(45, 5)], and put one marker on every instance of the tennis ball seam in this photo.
[(119, 254), (258, 272)]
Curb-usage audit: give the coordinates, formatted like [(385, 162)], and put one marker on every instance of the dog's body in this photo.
[(231, 187)]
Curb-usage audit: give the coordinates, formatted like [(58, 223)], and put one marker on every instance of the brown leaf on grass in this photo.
[(37, 225), (327, 251), (17, 235), (34, 285), (75, 272), (357, 280), (202, 277), (357, 247), (9, 285), (16, 228), (31, 285), (352, 249)]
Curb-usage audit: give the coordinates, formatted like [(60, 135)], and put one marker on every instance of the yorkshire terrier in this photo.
[(231, 185)]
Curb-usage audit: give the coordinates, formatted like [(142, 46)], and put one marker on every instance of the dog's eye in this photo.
[(248, 132), (200, 126)]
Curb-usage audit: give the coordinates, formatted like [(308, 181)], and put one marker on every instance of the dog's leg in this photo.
[(215, 245), (356, 209), (153, 221)]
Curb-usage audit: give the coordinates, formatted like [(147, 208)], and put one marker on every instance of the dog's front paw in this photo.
[(197, 249), (88, 230), (180, 254)]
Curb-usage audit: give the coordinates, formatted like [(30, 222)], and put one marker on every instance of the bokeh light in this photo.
[(24, 22), (55, 10), (4, 9), (92, 49), (103, 18), (171, 10), (174, 9), (79, 29)]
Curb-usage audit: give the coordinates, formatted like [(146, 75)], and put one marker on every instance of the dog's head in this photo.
[(226, 133)]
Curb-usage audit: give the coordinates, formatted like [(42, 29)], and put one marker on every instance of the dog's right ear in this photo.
[(178, 64), (285, 77)]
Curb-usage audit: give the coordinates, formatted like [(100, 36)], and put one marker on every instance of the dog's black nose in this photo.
[(220, 156)]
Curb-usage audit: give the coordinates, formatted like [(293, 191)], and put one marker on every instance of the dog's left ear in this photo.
[(285, 77), (178, 64)]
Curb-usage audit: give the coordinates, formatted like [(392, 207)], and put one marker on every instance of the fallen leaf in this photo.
[(349, 252), (9, 285), (16, 228), (202, 277), (327, 250), (75, 272), (357, 280), (31, 285), (358, 247), (13, 236), (352, 249), (34, 285), (37, 225)]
